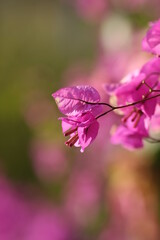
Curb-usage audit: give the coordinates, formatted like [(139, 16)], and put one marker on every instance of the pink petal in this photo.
[(149, 107), (151, 43), (87, 135), (141, 128), (145, 45), (111, 88), (70, 100), (127, 138), (65, 126)]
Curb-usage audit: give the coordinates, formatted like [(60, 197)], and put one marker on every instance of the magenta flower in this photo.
[(136, 88), (73, 101), (81, 129), (91, 9), (133, 130), (151, 42), (79, 105), (139, 86), (129, 139)]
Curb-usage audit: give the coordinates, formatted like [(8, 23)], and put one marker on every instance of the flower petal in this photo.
[(151, 42), (65, 126), (70, 101), (87, 135), (127, 138)]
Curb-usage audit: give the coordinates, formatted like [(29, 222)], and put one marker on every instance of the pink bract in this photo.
[(71, 100), (151, 42), (127, 138), (135, 88), (81, 129), (79, 105), (132, 89)]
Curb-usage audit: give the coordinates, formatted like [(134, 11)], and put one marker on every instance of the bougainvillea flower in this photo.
[(155, 121), (127, 138), (136, 88), (79, 105), (81, 129), (131, 136), (151, 42)]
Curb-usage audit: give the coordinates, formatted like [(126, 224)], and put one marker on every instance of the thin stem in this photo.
[(156, 90), (101, 115), (128, 105), (134, 103), (152, 140), (120, 107), (151, 88), (143, 82), (92, 103)]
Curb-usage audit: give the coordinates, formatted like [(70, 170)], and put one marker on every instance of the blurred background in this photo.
[(48, 191)]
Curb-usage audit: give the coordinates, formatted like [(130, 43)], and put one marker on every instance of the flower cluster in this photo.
[(80, 105), (137, 97), (137, 100)]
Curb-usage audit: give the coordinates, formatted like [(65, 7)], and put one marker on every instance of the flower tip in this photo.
[(82, 150), (56, 98), (53, 95)]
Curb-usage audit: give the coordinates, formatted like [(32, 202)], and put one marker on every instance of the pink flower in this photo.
[(79, 105), (49, 160), (73, 101), (83, 196), (151, 42), (48, 223), (136, 88), (130, 139), (82, 129), (91, 9)]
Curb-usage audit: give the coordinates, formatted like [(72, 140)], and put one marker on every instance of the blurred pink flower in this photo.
[(83, 196), (130, 5), (130, 139), (114, 232), (26, 218), (131, 200), (38, 110), (14, 212), (49, 160), (151, 42), (91, 9), (49, 224)]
